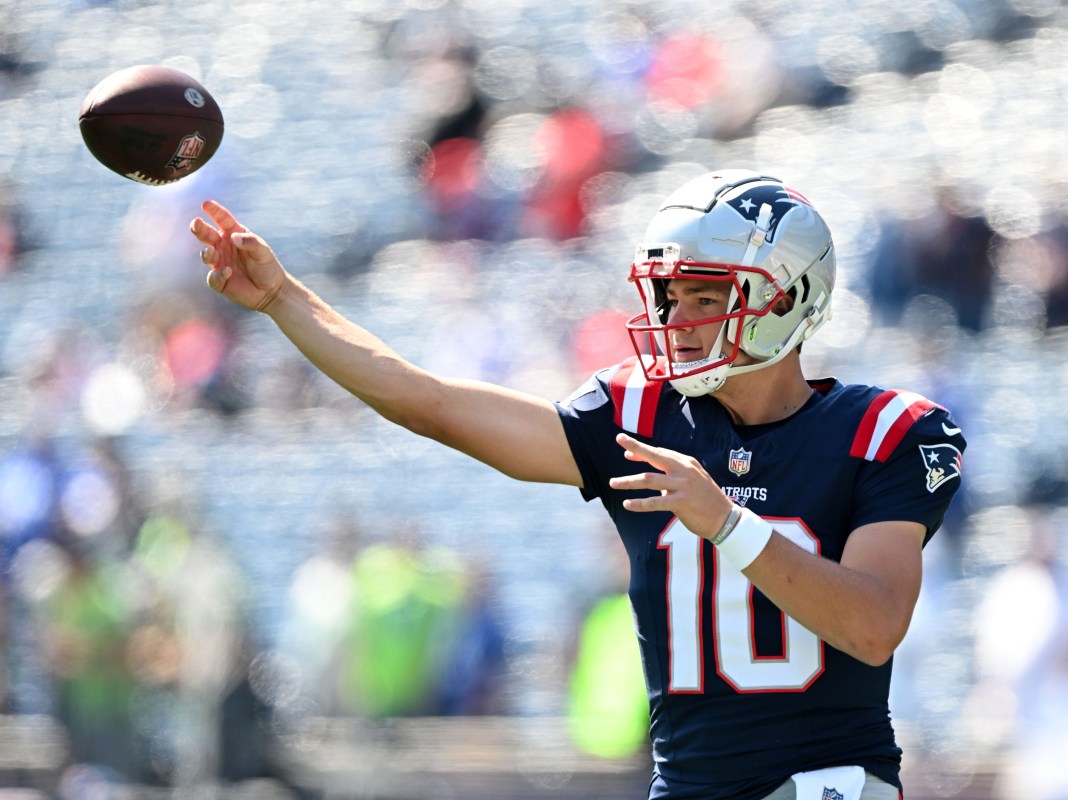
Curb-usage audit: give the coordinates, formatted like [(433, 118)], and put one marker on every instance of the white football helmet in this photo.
[(753, 232)]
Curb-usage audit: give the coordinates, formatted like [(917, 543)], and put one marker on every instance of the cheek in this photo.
[(710, 332), (709, 339)]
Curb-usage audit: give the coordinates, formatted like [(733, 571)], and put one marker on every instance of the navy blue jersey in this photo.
[(741, 696)]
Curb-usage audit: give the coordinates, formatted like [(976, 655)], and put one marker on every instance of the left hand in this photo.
[(686, 489)]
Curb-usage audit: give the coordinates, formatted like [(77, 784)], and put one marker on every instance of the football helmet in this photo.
[(760, 238)]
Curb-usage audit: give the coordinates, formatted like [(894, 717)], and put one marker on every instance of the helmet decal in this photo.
[(780, 198)]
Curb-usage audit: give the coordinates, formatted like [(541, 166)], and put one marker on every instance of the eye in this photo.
[(711, 300)]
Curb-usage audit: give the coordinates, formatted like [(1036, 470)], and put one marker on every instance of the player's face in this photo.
[(690, 302)]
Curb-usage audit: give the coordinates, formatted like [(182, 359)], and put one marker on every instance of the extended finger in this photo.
[(654, 503), (226, 221), (204, 232), (656, 481), (634, 449)]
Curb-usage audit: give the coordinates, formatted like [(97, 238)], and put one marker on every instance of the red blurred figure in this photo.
[(575, 150)]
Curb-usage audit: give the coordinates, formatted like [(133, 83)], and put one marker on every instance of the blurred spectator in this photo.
[(607, 703), (457, 186), (573, 149), (1019, 702), (82, 493), (1038, 265), (320, 602), (608, 711), (185, 649), (472, 679), (945, 253), (186, 355), (458, 107), (87, 622), (133, 618), (393, 629), (68, 513), (1055, 274), (13, 61), (454, 172), (14, 237), (890, 268), (406, 604)]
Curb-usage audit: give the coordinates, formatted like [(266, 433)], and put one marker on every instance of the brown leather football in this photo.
[(151, 124)]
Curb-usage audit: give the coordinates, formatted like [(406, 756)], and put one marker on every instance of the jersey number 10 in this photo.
[(737, 662)]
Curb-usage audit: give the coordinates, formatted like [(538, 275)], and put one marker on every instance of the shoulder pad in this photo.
[(634, 398), (888, 418)]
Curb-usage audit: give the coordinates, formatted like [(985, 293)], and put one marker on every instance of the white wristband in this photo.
[(748, 539)]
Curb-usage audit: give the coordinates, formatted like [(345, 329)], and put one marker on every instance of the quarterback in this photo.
[(774, 523)]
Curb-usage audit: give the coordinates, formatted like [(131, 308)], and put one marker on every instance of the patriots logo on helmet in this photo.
[(780, 198)]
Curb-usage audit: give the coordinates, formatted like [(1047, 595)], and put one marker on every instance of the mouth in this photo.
[(684, 354)]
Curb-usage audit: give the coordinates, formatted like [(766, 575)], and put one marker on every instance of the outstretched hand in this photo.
[(243, 267), (686, 489)]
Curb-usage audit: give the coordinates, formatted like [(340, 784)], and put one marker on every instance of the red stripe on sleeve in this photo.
[(900, 427), (862, 440)]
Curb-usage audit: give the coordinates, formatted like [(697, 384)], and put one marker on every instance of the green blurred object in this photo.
[(400, 626), (609, 708), (162, 545)]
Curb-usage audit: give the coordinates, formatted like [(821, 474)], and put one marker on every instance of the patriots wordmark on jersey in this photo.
[(742, 696)]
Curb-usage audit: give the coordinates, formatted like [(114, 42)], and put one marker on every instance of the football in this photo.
[(151, 124)]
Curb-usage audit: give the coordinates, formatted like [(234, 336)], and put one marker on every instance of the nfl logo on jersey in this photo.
[(832, 794), (739, 461)]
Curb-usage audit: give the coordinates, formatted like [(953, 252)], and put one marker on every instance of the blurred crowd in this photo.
[(205, 544)]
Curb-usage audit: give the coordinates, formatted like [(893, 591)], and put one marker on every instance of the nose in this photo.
[(679, 315)]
